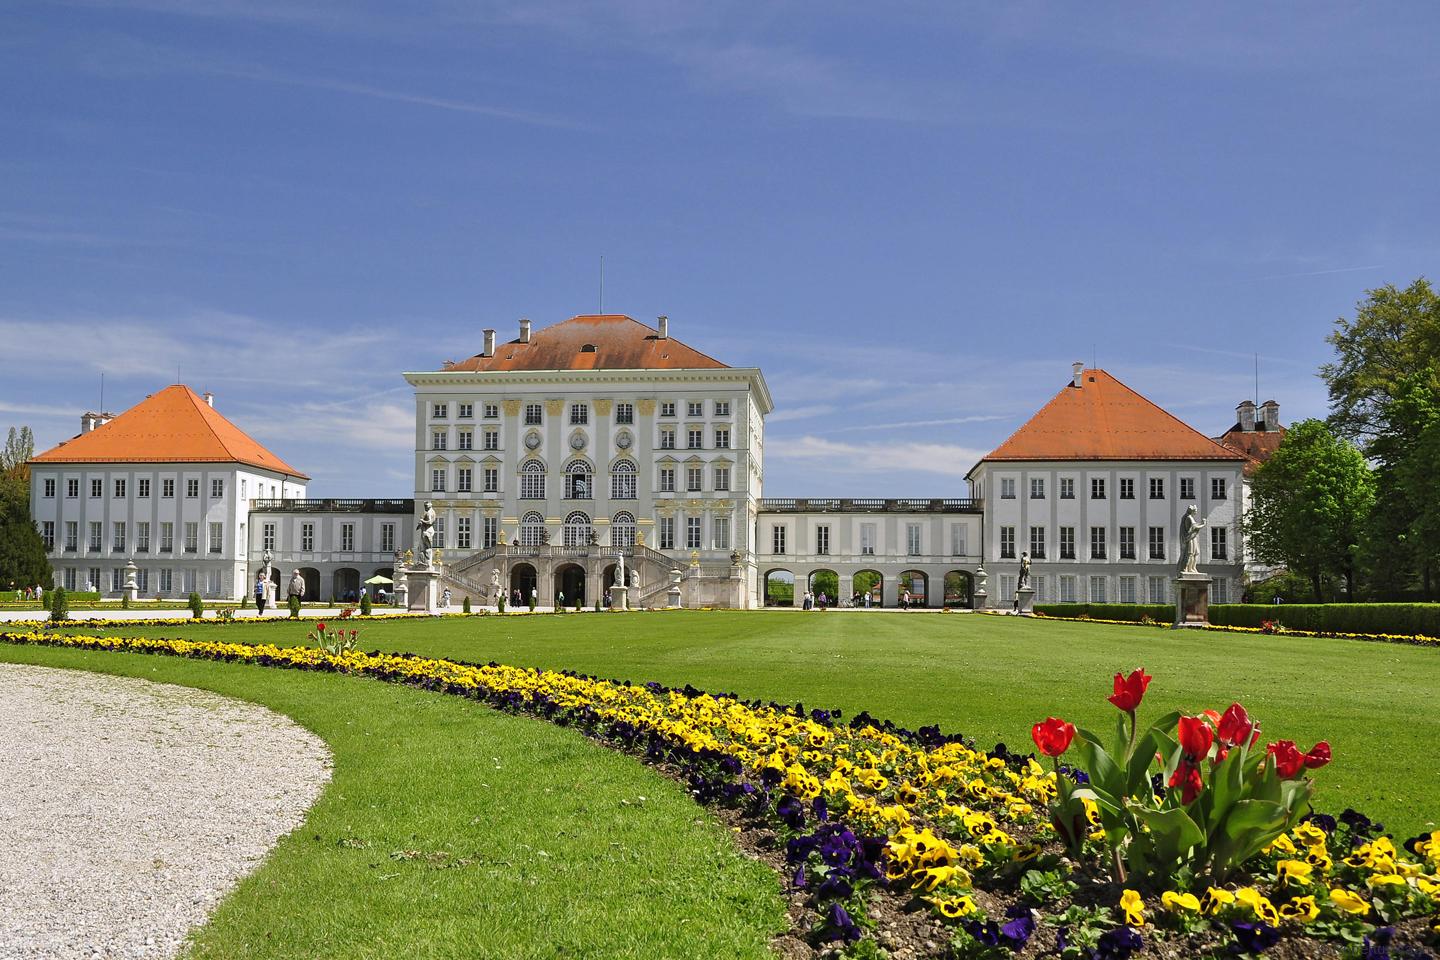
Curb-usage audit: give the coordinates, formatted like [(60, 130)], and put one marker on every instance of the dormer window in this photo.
[(588, 348)]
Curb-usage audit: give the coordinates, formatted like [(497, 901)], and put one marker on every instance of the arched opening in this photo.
[(825, 586), (345, 585), (959, 589), (868, 589), (570, 585), (532, 480), (607, 576), (622, 531), (532, 529), (523, 583), (779, 588), (577, 529), (578, 480), (622, 480), (916, 585), (311, 576)]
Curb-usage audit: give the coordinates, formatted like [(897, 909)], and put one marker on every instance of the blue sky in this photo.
[(912, 216)]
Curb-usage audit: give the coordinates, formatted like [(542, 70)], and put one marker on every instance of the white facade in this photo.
[(335, 544)]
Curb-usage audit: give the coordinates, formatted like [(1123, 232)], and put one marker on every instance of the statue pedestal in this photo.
[(672, 595), (980, 598), (131, 588), (1192, 600), (422, 594), (1024, 600), (619, 597)]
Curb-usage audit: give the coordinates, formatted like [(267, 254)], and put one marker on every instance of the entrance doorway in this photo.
[(522, 578), (570, 581)]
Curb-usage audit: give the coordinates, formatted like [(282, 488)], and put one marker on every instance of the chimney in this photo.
[(1079, 369), (209, 399), (524, 329), (1245, 414), (87, 422), (1270, 415), (489, 343), (663, 322)]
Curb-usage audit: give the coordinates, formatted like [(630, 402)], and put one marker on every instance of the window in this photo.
[(491, 477), (97, 488), (267, 537), (624, 413), (1041, 596), (217, 489), (667, 479), (1037, 543), (777, 539), (1097, 488), (667, 533), (92, 582), (667, 438), (1037, 488), (579, 414), (1097, 590), (95, 536), (577, 481), (1222, 590), (1007, 543), (437, 479), (722, 438), (532, 530), (50, 488), (347, 536), (1007, 585), (1157, 543), (72, 489), (167, 537), (822, 539), (694, 438), (72, 535), (119, 489), (187, 581), (117, 537), (465, 440), (577, 529), (1218, 545), (1127, 488), (1097, 543), (217, 537), (695, 408), (667, 408), (1067, 589), (1127, 544), (167, 580), (1217, 488), (694, 478), (192, 537), (492, 411), (692, 533), (958, 546), (720, 533), (867, 538), (464, 479), (1067, 488), (307, 536), (70, 579), (532, 480), (387, 537), (47, 534), (142, 488), (192, 489), (462, 533), (1187, 488), (534, 414), (1157, 488), (439, 411), (622, 531), (489, 531), (146, 485), (1007, 488), (438, 439), (117, 579), (1067, 543), (142, 581), (167, 489), (465, 411), (1127, 590), (722, 478), (622, 481), (1156, 589)]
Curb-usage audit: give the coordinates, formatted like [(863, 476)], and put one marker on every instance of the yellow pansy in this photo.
[(1258, 904), (1349, 902), (1300, 909), (932, 877), (1280, 844), (1133, 908), (1293, 871), (954, 907), (1386, 880), (1309, 835), (1215, 900), (1180, 902)]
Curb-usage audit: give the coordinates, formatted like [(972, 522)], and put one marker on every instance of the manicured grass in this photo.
[(454, 830), (991, 677)]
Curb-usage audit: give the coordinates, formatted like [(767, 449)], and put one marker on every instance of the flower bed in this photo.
[(874, 821)]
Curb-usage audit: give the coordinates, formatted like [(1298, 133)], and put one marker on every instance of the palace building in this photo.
[(548, 457)]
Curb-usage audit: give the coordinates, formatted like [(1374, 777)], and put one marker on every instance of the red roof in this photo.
[(172, 426), (1102, 419), (598, 342), (1256, 446)]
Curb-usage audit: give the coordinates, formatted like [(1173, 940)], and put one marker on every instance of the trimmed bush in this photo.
[(125, 601), (59, 604), (500, 604), (245, 600), (1129, 612), (197, 606), (365, 604), (465, 607), (1407, 619), (294, 603)]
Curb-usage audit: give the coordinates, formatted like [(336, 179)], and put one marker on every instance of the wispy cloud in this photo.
[(1310, 273)]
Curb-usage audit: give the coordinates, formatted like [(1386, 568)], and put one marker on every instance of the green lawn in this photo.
[(992, 677), (452, 830)]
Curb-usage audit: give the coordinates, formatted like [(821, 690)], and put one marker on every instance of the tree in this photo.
[(23, 558), (19, 448), (1310, 503)]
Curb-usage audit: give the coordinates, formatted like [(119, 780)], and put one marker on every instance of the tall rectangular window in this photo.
[(1067, 589), (97, 488), (624, 413), (439, 411), (464, 439), (492, 479), (777, 539), (1127, 590), (72, 489), (695, 408), (1097, 543), (822, 539), (912, 539), (1067, 543), (167, 537), (1007, 543), (532, 483), (1155, 590), (694, 478), (694, 438), (1217, 488), (692, 533), (437, 479), (120, 489), (307, 537), (1007, 488), (1157, 543), (720, 533), (1127, 488), (667, 438), (70, 579), (1222, 589), (462, 533), (1037, 488), (187, 581), (1097, 590), (267, 536), (722, 408), (722, 478), (1037, 543), (667, 408), (722, 438), (492, 439), (958, 546), (167, 489), (1187, 488), (49, 488), (1127, 543), (217, 489), (490, 531), (1157, 488), (47, 534), (667, 479), (217, 537), (534, 414), (387, 538), (167, 580), (1097, 488), (465, 411), (438, 439), (347, 537), (867, 538), (117, 579), (1219, 549), (72, 535), (142, 488), (117, 537), (464, 478), (667, 533), (1067, 488), (579, 414), (96, 534), (192, 489), (192, 537)]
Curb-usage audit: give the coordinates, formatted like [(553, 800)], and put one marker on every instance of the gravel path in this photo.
[(129, 808)]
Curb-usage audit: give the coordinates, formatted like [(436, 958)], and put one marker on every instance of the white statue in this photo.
[(426, 526), (1190, 527), (495, 582), (634, 579), (620, 569)]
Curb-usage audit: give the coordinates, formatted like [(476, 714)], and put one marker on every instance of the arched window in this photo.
[(532, 529), (577, 529), (577, 481), (622, 531), (532, 480), (622, 481)]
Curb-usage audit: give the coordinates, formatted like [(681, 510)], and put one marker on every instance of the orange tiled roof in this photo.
[(1102, 419), (1256, 446), (172, 426), (617, 343)]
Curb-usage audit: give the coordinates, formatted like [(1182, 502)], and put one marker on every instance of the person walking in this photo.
[(260, 593), (296, 588)]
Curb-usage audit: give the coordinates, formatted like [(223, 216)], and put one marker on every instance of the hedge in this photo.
[(1134, 612), (1393, 618)]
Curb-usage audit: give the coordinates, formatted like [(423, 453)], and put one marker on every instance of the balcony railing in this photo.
[(851, 505), (333, 506)]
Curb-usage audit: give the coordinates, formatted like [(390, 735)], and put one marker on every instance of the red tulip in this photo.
[(1236, 727), (1053, 736), (1129, 691), (320, 625), (1195, 737), (1187, 775), (1288, 759), (1318, 756)]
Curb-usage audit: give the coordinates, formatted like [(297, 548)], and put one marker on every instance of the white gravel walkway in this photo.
[(129, 808)]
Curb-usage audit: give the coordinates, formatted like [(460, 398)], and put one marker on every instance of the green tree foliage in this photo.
[(826, 582), (865, 582), (19, 448), (1310, 504), (23, 559)]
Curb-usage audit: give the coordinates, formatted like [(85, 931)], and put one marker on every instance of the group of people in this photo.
[(811, 600), (265, 590), (36, 592)]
